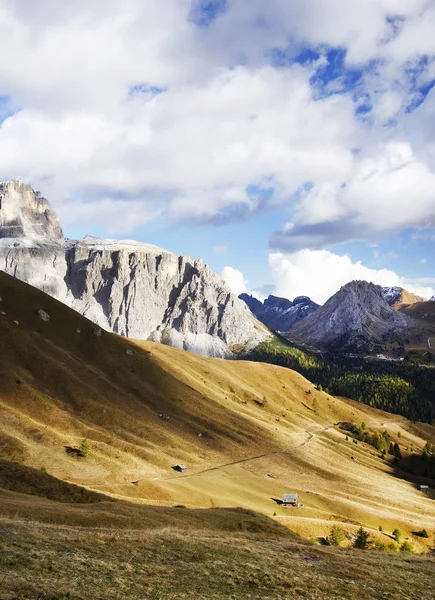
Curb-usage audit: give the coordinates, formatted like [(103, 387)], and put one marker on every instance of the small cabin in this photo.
[(180, 468), (290, 500), (424, 488)]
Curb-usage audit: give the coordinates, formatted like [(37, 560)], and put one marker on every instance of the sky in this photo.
[(288, 143)]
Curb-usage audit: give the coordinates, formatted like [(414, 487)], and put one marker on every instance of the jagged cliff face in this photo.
[(133, 289), (357, 316), (280, 313), (23, 213)]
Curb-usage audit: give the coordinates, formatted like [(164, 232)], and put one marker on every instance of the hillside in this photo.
[(247, 432), (193, 560)]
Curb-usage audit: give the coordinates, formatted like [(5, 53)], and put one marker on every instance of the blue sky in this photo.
[(289, 145)]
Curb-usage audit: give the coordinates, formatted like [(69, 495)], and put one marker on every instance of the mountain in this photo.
[(133, 289), (25, 214), (398, 297), (357, 316), (247, 433), (432, 299), (280, 314)]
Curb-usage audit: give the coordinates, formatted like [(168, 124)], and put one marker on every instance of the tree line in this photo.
[(398, 387)]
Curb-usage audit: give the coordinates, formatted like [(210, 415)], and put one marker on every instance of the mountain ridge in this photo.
[(357, 316), (279, 314)]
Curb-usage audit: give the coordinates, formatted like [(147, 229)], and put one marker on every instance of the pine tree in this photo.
[(336, 536), (84, 448), (397, 451), (362, 539)]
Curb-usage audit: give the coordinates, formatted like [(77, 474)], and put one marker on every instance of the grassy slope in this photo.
[(47, 563), (261, 434), (247, 431)]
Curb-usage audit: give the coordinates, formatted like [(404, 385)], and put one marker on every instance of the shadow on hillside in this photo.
[(418, 470), (35, 495)]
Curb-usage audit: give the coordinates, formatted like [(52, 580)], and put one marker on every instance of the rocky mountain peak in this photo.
[(277, 304), (302, 300), (357, 315), (24, 213)]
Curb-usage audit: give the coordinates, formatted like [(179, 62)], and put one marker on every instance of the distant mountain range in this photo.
[(359, 316), (279, 313)]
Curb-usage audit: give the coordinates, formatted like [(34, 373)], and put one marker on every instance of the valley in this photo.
[(93, 424), (247, 432)]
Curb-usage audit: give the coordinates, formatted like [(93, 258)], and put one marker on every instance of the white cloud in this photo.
[(235, 280), (220, 248), (192, 151), (387, 191), (320, 273)]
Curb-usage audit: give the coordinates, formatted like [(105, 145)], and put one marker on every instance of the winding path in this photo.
[(310, 437)]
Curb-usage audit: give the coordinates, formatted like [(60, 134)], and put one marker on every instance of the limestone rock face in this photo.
[(357, 316), (133, 289), (24, 213)]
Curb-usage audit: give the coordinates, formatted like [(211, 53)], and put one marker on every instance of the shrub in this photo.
[(380, 546), (397, 535), (336, 536), (423, 533), (407, 547)]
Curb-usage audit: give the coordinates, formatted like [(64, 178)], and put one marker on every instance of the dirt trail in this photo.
[(310, 437)]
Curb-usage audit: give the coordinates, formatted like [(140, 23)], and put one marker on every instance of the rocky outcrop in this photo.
[(357, 317), (133, 289), (280, 314), (24, 213)]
